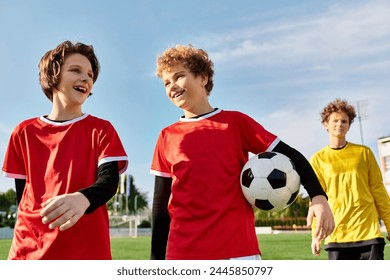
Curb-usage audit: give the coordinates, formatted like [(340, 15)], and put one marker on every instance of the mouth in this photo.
[(80, 89), (177, 94)]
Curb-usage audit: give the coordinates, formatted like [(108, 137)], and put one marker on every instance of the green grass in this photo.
[(128, 248), (286, 246), (4, 248)]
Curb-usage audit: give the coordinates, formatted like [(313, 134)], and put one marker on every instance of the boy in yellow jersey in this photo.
[(352, 180)]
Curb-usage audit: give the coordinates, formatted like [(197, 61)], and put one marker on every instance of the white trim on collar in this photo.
[(183, 119), (42, 118)]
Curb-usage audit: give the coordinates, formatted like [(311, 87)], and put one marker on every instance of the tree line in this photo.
[(129, 201)]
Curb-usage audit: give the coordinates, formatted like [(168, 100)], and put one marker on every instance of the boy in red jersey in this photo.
[(199, 211), (66, 165)]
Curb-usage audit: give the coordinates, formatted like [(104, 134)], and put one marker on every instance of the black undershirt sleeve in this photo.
[(19, 185), (97, 194), (104, 188), (309, 179), (160, 217)]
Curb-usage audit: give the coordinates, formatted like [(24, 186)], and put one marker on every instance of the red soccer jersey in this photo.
[(210, 218), (58, 158)]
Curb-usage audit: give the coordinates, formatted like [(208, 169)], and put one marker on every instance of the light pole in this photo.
[(135, 203), (361, 115), (134, 219)]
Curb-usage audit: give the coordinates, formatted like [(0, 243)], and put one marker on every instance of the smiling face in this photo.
[(76, 81), (186, 90)]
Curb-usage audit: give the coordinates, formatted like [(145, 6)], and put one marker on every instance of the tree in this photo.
[(7, 199), (4, 204), (11, 196), (137, 200), (299, 208), (128, 200)]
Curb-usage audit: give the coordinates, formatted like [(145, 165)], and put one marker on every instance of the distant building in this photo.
[(384, 154)]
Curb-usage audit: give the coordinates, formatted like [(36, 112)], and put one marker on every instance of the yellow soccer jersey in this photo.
[(353, 182)]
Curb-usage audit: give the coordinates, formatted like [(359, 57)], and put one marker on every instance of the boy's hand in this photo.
[(319, 208), (316, 246), (64, 210)]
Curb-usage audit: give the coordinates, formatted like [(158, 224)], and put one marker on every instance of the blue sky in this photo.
[(280, 62)]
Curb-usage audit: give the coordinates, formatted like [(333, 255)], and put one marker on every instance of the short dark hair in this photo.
[(51, 63)]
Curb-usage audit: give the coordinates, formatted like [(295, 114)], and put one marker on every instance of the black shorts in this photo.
[(369, 252)]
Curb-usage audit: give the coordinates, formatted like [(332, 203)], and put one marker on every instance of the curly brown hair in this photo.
[(337, 106), (51, 63), (195, 60)]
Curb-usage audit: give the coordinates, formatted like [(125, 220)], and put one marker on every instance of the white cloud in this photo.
[(280, 65), (303, 62), (341, 33)]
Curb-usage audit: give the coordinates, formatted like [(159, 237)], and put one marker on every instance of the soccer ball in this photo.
[(270, 182)]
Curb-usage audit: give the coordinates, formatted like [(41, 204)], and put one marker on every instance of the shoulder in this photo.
[(29, 122), (98, 122), (243, 121), (359, 147), (95, 119), (236, 116), (320, 153), (26, 124), (98, 126), (171, 127), (362, 150), (234, 113)]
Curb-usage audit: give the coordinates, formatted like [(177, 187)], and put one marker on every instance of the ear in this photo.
[(325, 124), (205, 80)]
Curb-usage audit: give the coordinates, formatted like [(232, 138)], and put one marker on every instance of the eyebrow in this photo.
[(178, 73), (78, 66)]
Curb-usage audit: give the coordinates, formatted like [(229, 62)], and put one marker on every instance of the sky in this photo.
[(281, 62)]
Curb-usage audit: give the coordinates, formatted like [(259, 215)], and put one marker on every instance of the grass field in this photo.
[(285, 246)]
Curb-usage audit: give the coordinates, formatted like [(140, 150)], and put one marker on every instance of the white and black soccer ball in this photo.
[(270, 181)]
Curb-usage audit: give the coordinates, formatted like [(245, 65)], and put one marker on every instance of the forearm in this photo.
[(104, 188), (309, 179), (160, 218), (20, 184)]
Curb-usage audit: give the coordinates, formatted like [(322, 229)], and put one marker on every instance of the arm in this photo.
[(20, 184), (378, 191), (160, 217), (65, 210), (319, 206), (308, 177), (104, 188), (316, 246)]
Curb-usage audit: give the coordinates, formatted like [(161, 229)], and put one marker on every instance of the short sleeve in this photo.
[(160, 165), (13, 165), (111, 148)]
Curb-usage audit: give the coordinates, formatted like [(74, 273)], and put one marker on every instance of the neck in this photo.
[(64, 114), (65, 108), (337, 143), (194, 112)]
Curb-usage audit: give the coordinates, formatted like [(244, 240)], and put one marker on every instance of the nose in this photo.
[(86, 78), (174, 86)]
